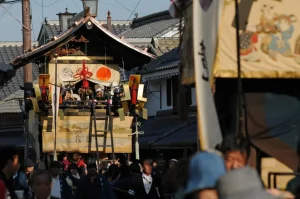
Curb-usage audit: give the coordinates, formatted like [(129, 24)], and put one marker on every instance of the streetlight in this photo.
[(92, 4)]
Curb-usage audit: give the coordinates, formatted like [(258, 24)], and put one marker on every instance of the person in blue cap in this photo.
[(205, 169), (21, 181)]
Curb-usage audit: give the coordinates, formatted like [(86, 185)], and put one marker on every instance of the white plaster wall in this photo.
[(153, 97)]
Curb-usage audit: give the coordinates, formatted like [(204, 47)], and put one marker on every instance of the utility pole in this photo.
[(26, 20)]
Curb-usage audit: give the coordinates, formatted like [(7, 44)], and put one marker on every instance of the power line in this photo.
[(4, 12), (134, 9), (13, 1), (123, 5), (14, 17), (76, 5), (42, 9), (47, 5)]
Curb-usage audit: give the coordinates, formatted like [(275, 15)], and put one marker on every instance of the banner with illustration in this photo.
[(97, 73), (269, 40), (75, 133)]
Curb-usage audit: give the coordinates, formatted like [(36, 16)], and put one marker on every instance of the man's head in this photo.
[(92, 169), (147, 165), (9, 161), (55, 168), (134, 168), (172, 163), (41, 183), (64, 156), (73, 168), (236, 152), (76, 156), (28, 166)]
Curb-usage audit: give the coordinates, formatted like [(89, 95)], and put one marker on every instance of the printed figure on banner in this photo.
[(279, 43), (274, 31)]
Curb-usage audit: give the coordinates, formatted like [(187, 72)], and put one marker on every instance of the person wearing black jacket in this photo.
[(60, 187), (123, 187), (146, 185), (9, 164), (73, 177), (94, 186)]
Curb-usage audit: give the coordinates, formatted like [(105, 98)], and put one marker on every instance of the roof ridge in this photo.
[(151, 18), (56, 22)]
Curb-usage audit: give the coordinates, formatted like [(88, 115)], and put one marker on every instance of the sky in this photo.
[(11, 27)]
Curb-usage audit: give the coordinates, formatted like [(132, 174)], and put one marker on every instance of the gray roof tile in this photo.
[(156, 130), (151, 29), (166, 61), (11, 89), (52, 28), (151, 25)]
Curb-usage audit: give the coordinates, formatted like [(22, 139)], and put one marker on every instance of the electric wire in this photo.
[(4, 11), (12, 2), (76, 5), (47, 5), (123, 6), (14, 17), (134, 9), (42, 9)]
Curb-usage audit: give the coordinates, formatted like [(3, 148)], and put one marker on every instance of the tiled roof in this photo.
[(118, 26), (10, 50), (133, 55), (166, 61), (161, 46), (157, 129), (151, 25), (150, 30), (183, 137), (11, 90), (52, 30), (52, 27)]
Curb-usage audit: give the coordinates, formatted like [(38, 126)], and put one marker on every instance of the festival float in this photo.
[(81, 102)]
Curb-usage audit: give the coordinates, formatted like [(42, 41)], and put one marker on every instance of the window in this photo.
[(169, 92)]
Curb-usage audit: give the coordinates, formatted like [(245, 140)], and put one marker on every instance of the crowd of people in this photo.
[(220, 173)]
